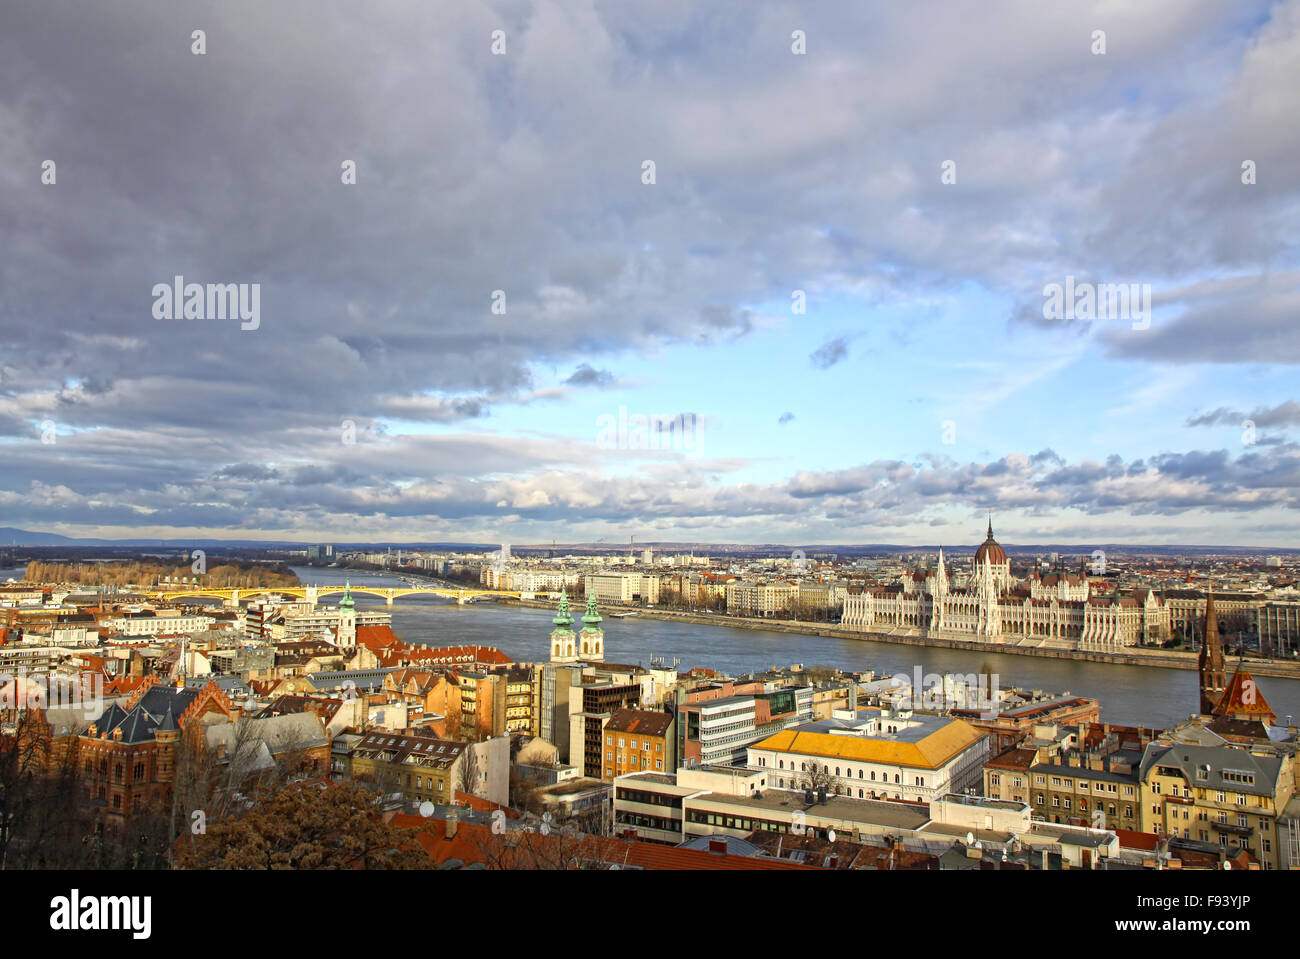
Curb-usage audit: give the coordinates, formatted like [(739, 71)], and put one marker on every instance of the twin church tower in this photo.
[(585, 646)]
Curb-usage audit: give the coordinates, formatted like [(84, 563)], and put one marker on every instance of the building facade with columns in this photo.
[(1057, 611)]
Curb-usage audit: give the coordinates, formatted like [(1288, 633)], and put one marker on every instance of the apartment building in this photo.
[(1240, 798), (150, 623), (773, 600), (1082, 788), (599, 700), (622, 587), (420, 768), (637, 740)]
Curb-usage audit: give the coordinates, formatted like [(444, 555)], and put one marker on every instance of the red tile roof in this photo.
[(474, 843)]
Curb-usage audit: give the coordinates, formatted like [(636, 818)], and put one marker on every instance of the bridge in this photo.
[(312, 594)]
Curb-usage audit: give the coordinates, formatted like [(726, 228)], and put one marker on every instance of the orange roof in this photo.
[(475, 843), (376, 637), (1243, 698), (120, 685), (484, 805), (929, 752), (1130, 839)]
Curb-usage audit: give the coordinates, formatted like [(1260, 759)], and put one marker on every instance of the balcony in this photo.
[(1231, 828)]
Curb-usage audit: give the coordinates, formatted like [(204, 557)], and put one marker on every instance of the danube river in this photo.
[(1130, 695)]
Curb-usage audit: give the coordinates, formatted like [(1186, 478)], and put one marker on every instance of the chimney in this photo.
[(453, 823), (718, 847)]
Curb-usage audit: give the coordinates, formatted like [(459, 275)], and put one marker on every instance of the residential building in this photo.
[(638, 740)]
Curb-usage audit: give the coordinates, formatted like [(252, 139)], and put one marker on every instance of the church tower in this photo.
[(563, 640), (1214, 677), (593, 637), (939, 595), (347, 635)]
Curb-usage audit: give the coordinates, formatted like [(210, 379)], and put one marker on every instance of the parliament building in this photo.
[(1057, 610)]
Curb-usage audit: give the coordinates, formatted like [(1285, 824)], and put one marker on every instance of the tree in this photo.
[(214, 783), (545, 847), (305, 826), (42, 818), (467, 772), (814, 777)]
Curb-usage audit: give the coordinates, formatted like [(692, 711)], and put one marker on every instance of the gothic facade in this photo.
[(1057, 610)]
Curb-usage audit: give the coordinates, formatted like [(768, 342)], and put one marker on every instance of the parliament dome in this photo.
[(990, 551)]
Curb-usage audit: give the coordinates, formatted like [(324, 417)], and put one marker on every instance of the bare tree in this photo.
[(816, 777), (467, 771), (41, 811)]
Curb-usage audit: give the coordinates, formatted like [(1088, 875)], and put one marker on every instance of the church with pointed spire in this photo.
[(1214, 678)]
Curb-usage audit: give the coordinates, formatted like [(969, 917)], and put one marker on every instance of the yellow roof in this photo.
[(929, 752)]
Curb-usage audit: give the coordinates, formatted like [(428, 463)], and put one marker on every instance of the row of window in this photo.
[(884, 777)]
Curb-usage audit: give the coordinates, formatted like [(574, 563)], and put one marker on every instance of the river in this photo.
[(1129, 695)]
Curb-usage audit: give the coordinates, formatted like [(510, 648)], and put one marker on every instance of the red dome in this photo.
[(990, 551)]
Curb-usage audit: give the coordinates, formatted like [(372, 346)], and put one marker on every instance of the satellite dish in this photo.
[(830, 834), (1227, 864), (970, 839)]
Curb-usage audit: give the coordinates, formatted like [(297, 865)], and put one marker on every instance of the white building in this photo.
[(877, 754), (1056, 610)]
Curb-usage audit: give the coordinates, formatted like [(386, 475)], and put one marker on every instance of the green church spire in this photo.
[(347, 601), (562, 618), (591, 618)]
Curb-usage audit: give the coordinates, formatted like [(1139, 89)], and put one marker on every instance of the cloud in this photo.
[(785, 418), (1284, 414), (585, 375), (830, 352), (521, 175)]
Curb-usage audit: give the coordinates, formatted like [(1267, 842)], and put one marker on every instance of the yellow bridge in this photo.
[(312, 594)]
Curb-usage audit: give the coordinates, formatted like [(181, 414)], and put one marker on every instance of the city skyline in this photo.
[(835, 287)]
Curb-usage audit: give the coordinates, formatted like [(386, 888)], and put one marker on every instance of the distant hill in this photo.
[(11, 536)]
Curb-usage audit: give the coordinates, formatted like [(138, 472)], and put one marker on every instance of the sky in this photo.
[(817, 240)]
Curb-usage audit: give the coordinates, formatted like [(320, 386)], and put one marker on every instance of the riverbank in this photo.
[(1160, 659)]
